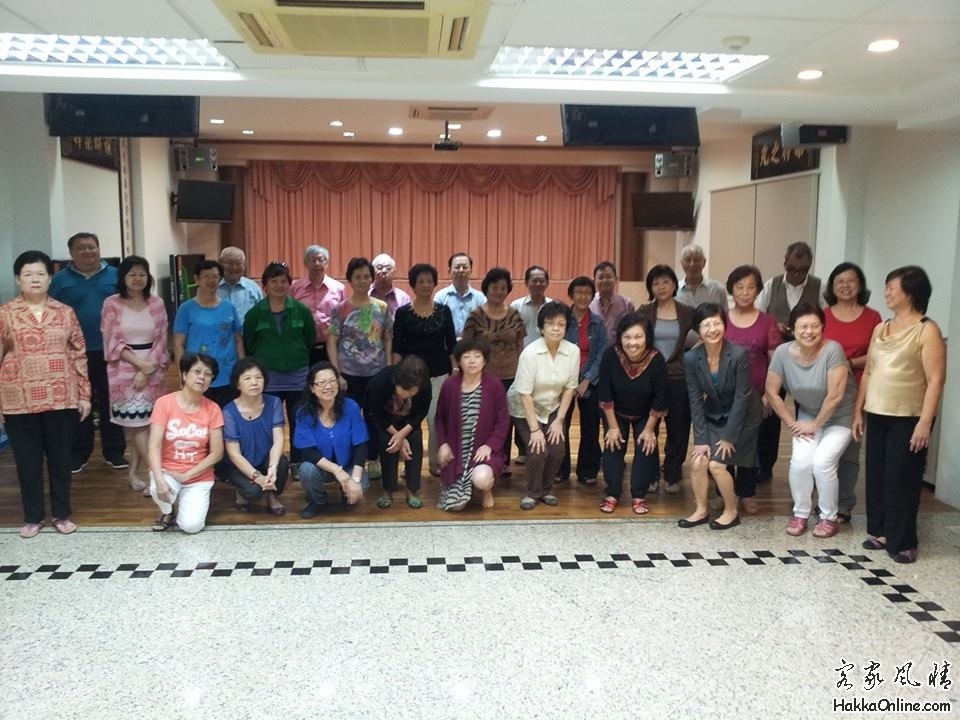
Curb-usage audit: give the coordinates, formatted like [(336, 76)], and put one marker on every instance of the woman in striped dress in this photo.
[(472, 422)]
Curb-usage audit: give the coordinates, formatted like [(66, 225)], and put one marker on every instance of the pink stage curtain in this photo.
[(514, 216)]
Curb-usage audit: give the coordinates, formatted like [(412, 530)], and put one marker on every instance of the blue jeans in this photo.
[(314, 481)]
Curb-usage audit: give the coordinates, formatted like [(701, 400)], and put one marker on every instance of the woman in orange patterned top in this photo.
[(43, 387)]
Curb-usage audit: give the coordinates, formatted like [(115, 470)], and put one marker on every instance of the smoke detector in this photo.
[(735, 43)]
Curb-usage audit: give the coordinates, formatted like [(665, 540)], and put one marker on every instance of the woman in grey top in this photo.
[(816, 372)]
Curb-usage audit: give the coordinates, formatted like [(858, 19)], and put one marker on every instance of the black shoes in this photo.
[(118, 462), (684, 523), (714, 525), (78, 468), (311, 510)]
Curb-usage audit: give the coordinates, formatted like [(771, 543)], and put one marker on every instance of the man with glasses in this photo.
[(321, 294), (384, 268), (782, 293), (83, 285), (234, 286), (459, 296)]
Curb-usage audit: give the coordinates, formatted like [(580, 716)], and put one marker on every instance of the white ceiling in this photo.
[(917, 86)]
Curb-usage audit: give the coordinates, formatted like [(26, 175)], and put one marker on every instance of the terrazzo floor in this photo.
[(606, 619)]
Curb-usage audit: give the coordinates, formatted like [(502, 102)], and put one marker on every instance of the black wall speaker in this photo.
[(796, 135), (123, 115), (627, 126)]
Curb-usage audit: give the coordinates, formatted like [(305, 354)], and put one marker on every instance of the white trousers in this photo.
[(814, 463), (193, 501)]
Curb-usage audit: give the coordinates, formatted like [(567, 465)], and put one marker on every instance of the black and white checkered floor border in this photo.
[(904, 596)]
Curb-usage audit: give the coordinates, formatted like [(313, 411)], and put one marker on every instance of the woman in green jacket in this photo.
[(279, 332)]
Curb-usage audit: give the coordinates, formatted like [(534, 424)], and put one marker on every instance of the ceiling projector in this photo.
[(447, 144)]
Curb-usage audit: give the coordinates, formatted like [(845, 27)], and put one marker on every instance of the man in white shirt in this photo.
[(234, 286), (384, 269), (536, 279), (459, 296), (695, 288)]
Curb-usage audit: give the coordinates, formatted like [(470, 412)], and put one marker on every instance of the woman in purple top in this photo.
[(756, 332), (472, 423)]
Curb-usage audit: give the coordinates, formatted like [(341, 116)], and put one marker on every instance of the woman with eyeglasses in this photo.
[(186, 442), (541, 394), (134, 327), (280, 332), (815, 371), (332, 438), (725, 412)]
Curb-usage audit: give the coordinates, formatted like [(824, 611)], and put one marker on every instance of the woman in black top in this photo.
[(632, 391), (425, 329), (396, 401)]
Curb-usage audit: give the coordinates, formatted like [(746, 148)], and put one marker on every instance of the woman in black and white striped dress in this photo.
[(472, 423)]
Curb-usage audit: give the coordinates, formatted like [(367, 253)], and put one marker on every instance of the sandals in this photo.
[(906, 556), (64, 526), (138, 485), (871, 543), (30, 530), (640, 506), (826, 529), (797, 526), (164, 522), (749, 505), (384, 502), (414, 502), (609, 504)]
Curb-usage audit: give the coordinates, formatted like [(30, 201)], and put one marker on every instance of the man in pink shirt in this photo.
[(319, 292), (384, 268), (609, 305)]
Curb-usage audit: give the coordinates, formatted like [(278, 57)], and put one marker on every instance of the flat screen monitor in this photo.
[(663, 211), (205, 201)]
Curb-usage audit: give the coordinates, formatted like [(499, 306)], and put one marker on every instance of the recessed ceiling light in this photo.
[(541, 138), (247, 132), (883, 45), (810, 74), (395, 131), (336, 123), (216, 121), (348, 133), (455, 126), (494, 133)]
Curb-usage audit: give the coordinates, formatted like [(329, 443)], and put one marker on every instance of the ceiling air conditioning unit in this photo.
[(360, 28)]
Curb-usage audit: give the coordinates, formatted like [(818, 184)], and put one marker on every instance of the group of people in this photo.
[(355, 369)]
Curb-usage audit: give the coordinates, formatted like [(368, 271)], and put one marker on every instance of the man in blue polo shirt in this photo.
[(83, 285), (459, 296)]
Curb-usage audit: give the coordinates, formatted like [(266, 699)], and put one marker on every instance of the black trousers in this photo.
[(744, 480), (678, 429), (356, 389), (247, 488), (645, 469), (588, 453), (894, 481), (768, 443), (112, 441), (390, 462), (318, 353), (290, 398), (32, 438), (511, 433)]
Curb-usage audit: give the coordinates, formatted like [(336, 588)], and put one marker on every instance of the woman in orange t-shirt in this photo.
[(186, 441)]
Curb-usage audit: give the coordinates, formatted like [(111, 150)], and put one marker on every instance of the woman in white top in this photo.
[(542, 391)]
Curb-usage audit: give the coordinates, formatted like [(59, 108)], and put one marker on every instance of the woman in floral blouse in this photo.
[(43, 388)]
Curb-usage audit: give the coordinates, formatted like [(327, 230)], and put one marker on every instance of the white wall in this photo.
[(91, 201), (156, 235)]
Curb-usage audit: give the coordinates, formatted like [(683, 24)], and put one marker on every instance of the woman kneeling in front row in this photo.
[(253, 434), (472, 426), (186, 441), (332, 438)]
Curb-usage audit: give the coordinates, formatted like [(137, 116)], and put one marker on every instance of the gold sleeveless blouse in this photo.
[(897, 381)]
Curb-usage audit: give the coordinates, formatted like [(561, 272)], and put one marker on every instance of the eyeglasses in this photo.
[(382, 268), (325, 383), (200, 373)]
